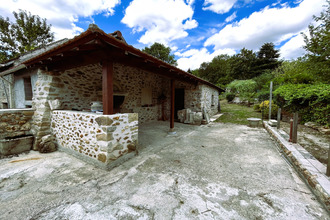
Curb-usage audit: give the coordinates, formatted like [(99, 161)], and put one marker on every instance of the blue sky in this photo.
[(195, 30)]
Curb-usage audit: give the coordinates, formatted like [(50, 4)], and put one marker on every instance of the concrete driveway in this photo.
[(216, 171)]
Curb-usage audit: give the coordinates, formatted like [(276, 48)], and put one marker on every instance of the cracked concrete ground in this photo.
[(217, 171)]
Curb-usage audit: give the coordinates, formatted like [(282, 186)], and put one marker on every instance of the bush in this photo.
[(264, 108), (263, 95), (245, 88), (311, 101), (230, 97), (256, 107)]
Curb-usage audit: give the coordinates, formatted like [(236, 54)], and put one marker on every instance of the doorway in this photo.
[(178, 101)]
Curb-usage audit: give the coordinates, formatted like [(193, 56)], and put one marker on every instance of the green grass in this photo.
[(236, 114)]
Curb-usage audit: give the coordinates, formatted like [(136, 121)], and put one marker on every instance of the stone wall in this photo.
[(199, 96), (101, 139), (78, 87), (15, 122), (132, 80), (209, 99), (43, 91)]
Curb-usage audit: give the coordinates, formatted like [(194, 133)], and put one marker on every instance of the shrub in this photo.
[(263, 95), (230, 97), (311, 101), (245, 88), (256, 107), (264, 108)]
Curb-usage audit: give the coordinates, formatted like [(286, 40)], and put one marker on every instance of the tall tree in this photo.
[(27, 33), (267, 58), (161, 52), (217, 71), (243, 64), (317, 44)]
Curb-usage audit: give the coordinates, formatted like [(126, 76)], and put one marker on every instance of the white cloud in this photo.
[(162, 20), (268, 25), (293, 48), (231, 17), (61, 14), (219, 6), (193, 58)]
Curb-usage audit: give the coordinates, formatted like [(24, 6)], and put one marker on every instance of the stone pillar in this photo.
[(45, 89)]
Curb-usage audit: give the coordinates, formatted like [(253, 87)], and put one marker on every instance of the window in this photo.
[(28, 89), (212, 100), (146, 97)]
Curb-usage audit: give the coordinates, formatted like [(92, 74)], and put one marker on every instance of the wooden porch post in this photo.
[(172, 104), (107, 87)]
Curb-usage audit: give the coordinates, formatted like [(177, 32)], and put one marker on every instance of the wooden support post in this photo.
[(328, 167), (172, 104), (279, 118), (295, 128), (107, 87)]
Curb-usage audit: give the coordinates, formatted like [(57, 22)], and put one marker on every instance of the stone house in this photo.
[(59, 83)]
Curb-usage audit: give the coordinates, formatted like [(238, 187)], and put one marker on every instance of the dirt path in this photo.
[(312, 140)]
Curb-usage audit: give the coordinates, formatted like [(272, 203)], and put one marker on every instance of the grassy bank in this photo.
[(236, 114)]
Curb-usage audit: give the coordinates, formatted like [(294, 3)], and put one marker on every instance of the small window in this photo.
[(212, 100), (146, 97), (28, 89)]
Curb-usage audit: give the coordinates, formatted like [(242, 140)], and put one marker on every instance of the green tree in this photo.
[(161, 52), (317, 45), (217, 71), (295, 72), (27, 33), (243, 64), (267, 58)]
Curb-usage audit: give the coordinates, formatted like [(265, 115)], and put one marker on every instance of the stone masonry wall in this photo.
[(104, 138), (15, 122), (192, 95), (80, 86), (132, 81), (198, 97), (209, 99), (43, 91)]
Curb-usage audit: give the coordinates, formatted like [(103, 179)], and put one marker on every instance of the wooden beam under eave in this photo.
[(107, 87), (172, 104)]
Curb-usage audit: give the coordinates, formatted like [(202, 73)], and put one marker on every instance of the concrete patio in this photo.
[(216, 171)]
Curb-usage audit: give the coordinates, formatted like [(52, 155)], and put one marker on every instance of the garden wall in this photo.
[(104, 140), (15, 122)]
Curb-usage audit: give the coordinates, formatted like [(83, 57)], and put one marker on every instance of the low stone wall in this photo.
[(309, 168), (15, 122), (104, 140)]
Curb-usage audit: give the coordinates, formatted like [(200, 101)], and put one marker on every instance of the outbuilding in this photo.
[(123, 86)]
